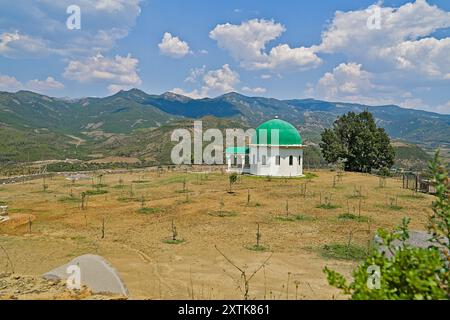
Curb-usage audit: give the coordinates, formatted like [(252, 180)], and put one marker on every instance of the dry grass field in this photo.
[(138, 210)]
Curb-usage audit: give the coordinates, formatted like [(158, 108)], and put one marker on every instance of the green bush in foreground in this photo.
[(410, 273)]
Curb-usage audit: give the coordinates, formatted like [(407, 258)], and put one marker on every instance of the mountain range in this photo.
[(36, 127)]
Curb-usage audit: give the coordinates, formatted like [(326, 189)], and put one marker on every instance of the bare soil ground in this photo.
[(135, 244), (17, 287)]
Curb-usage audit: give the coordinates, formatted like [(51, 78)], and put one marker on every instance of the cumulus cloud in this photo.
[(173, 47), (247, 44), (8, 83), (194, 94), (401, 54), (348, 31), (256, 90), (15, 44), (429, 57), (222, 80), (402, 42), (120, 72), (195, 74), (39, 27), (349, 82), (11, 84), (44, 85), (218, 81), (444, 108)]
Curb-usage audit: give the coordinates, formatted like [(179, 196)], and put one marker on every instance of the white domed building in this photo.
[(275, 150)]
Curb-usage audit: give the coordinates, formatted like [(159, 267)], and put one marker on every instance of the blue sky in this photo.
[(350, 51)]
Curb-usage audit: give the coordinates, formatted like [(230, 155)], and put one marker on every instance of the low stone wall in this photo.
[(181, 168)]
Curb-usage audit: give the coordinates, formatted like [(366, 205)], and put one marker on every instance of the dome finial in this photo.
[(276, 117)]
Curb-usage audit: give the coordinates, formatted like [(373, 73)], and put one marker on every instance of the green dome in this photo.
[(288, 134)]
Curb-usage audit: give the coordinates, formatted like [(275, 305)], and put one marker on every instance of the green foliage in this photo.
[(85, 166), (96, 192), (412, 273), (146, 210), (409, 273), (327, 206), (439, 223), (223, 214), (232, 179), (172, 241), (327, 203), (292, 218), (343, 251), (258, 248), (356, 139), (69, 199), (354, 217), (410, 156)]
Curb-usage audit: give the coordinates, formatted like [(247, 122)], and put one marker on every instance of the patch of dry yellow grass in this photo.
[(194, 269)]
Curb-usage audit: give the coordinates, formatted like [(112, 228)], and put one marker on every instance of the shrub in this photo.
[(149, 210), (96, 192), (410, 273), (351, 216), (343, 251)]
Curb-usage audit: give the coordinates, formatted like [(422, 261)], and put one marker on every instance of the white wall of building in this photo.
[(271, 167)]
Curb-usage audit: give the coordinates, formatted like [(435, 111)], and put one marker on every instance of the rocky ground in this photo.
[(20, 287)]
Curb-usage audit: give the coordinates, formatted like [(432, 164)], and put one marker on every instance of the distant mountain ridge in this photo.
[(128, 111)]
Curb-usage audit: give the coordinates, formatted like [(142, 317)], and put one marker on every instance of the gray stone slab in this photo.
[(417, 239), (96, 273)]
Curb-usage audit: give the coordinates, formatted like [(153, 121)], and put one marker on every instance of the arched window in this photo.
[(291, 160), (264, 160), (277, 160), (254, 159), (299, 160)]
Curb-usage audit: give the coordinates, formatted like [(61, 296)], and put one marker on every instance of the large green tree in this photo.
[(356, 140)]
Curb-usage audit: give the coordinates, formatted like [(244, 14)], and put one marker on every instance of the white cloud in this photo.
[(222, 80), (195, 74), (256, 90), (39, 27), (218, 81), (247, 44), (444, 108), (349, 82), (15, 44), (266, 76), (111, 5), (401, 55), (403, 41), (120, 72), (194, 94), (48, 84), (10, 84), (173, 47), (429, 57), (348, 31)]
